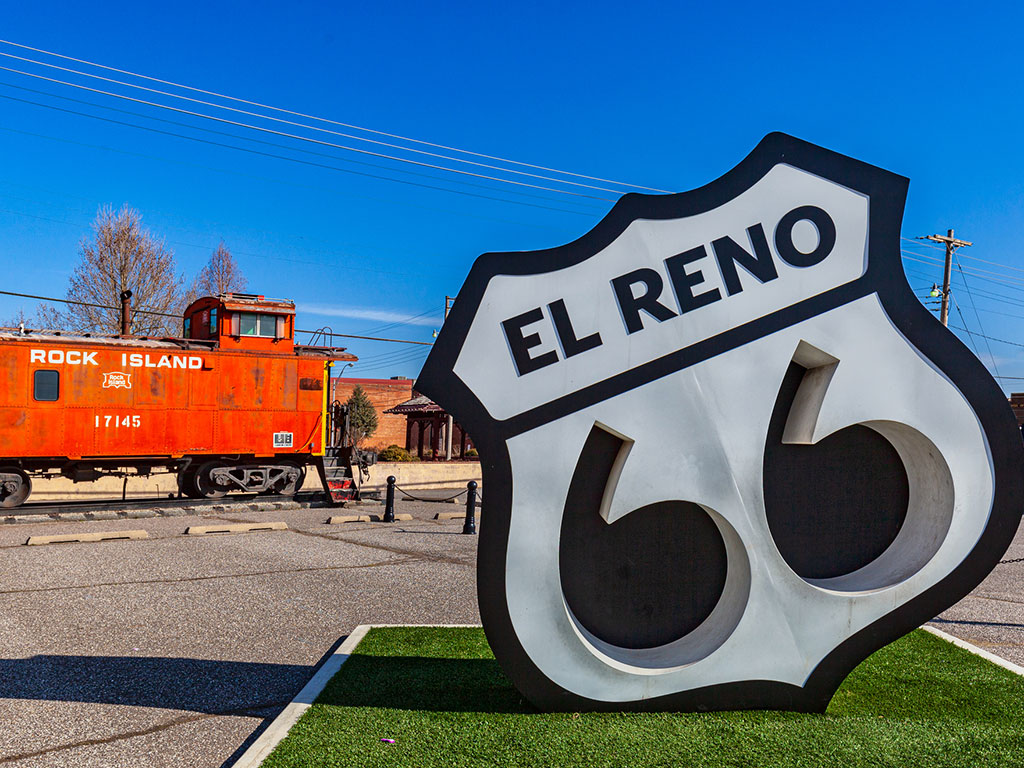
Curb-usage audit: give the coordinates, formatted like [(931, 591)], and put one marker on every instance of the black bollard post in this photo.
[(470, 524), (389, 501)]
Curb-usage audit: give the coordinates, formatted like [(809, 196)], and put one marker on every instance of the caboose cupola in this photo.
[(242, 321)]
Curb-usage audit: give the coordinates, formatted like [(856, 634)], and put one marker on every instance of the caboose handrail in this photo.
[(325, 331), (318, 334)]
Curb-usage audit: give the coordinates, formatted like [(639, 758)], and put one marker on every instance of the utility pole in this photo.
[(951, 245), (448, 302)]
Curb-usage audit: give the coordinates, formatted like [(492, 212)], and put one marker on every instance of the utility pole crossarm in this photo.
[(951, 244), (947, 239)]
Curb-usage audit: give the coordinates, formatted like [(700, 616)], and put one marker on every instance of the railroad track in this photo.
[(52, 508)]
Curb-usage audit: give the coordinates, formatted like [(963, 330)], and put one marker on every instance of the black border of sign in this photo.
[(887, 194)]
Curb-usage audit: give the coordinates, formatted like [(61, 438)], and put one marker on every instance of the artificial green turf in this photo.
[(439, 693)]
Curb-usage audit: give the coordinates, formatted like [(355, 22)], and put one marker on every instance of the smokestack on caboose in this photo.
[(126, 313)]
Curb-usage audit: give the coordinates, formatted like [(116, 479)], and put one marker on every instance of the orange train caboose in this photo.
[(233, 405)]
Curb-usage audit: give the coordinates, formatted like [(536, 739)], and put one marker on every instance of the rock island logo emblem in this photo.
[(727, 454), (117, 380)]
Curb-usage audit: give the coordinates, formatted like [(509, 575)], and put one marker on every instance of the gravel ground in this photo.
[(173, 651)]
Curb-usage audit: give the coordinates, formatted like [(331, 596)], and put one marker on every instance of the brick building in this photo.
[(383, 394), (1017, 404)]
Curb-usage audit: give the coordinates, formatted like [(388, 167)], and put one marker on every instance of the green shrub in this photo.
[(395, 453), (471, 454), (362, 416)]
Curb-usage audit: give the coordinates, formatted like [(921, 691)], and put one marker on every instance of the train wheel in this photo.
[(187, 483), (204, 486), (15, 486), (289, 489)]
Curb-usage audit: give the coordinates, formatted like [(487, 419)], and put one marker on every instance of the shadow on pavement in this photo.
[(196, 685), (271, 712), (977, 623)]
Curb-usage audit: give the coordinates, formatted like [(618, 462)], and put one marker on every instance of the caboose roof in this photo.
[(60, 337), (243, 302), (247, 302), (56, 337)]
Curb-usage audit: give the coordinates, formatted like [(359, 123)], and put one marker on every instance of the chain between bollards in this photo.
[(389, 501), (470, 524)]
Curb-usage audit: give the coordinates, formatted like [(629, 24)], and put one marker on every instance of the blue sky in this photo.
[(662, 95)]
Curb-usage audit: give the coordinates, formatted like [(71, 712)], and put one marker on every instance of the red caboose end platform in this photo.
[(234, 404)]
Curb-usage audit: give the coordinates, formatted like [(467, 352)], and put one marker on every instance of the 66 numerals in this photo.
[(114, 421)]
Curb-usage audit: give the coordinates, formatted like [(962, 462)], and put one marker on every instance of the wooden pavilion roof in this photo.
[(421, 405)]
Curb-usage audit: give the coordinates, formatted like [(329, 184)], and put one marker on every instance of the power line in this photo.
[(390, 353), (302, 138), (285, 157), (406, 356), (966, 256), (302, 125), (367, 338), (250, 139), (1017, 301), (366, 369), (319, 119), (1007, 282), (970, 335), (393, 356), (917, 241), (995, 366), (981, 271), (165, 314), (315, 128), (271, 179), (297, 137), (379, 328), (86, 304), (991, 338)]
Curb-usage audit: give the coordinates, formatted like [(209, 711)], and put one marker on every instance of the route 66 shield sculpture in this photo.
[(726, 453)]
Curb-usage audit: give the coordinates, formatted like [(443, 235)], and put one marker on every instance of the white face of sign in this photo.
[(700, 300), (727, 454), (699, 435)]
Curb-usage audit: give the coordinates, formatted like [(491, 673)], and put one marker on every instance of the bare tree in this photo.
[(20, 319), (220, 275), (121, 256)]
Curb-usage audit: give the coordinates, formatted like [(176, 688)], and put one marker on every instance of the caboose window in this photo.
[(46, 386), (187, 334), (214, 329), (250, 325), (253, 324)]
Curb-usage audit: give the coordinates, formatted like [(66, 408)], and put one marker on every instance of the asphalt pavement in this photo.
[(172, 651), (992, 616), (176, 650)]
